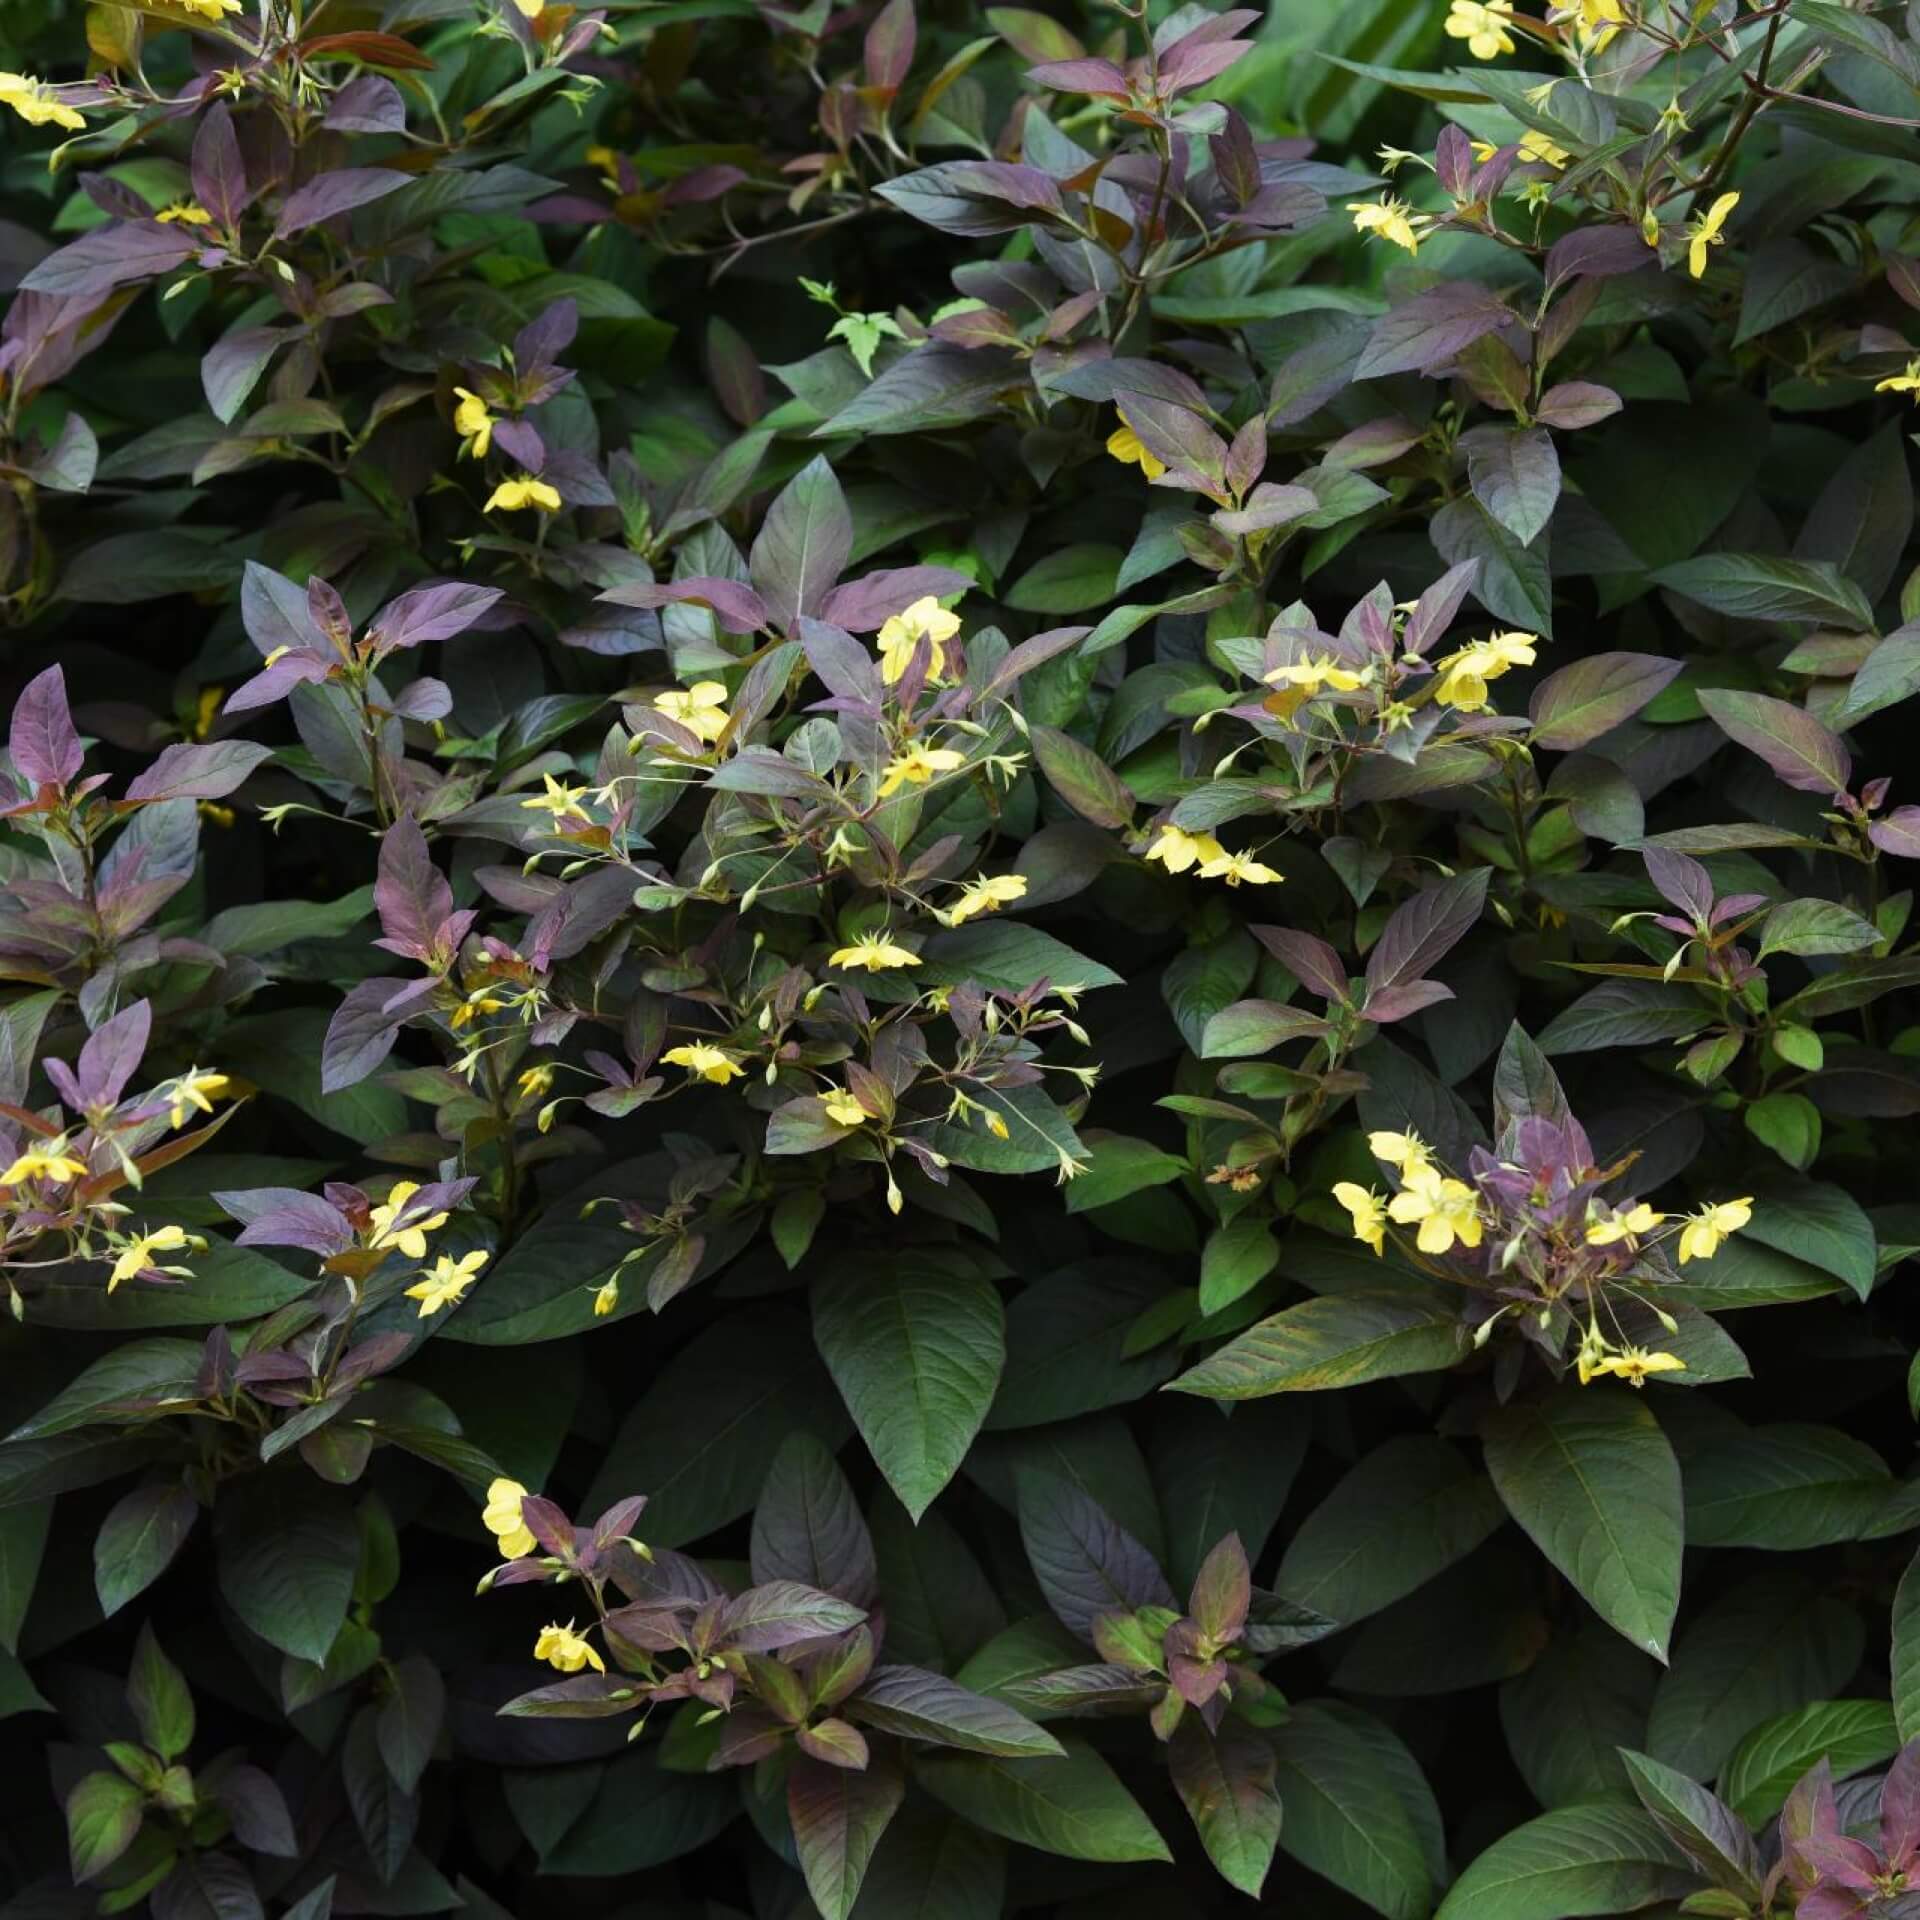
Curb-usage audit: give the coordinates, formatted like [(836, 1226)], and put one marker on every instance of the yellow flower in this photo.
[(1177, 850), (1238, 868), (925, 620), (1447, 1210), (474, 423), (1701, 1236), (563, 1649), (1908, 382), (1705, 232), (606, 1296), (1598, 22), (137, 1254), (37, 104), (1391, 218), (1311, 675), (875, 952), (917, 766), (194, 1089), (563, 802), (184, 213), (700, 708), (211, 9), (1633, 1364), (49, 1161), (705, 1062), (1638, 1219), (1534, 145), (1125, 446), (501, 1518), (984, 895), (1482, 24), (843, 1109), (449, 1279), (1464, 675), (1369, 1214), (535, 1082), (523, 491), (411, 1239), (1406, 1152)]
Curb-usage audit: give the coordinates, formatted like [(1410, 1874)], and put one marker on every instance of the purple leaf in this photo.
[(336, 193), (1598, 252), (738, 608), (113, 1053), (1898, 833), (1682, 881), (410, 894), (361, 1033), (232, 366), (1421, 931), (328, 612), (1080, 76), (1431, 329), (42, 739), (1575, 404), (424, 699), (110, 256), (258, 1813), (1401, 1002), (1433, 613), (802, 544), (838, 1816), (430, 613), (209, 772), (218, 171), (277, 681), (520, 440), (869, 602), (273, 609), (1809, 756), (369, 103), (581, 483), (1086, 1562), (1308, 958), (286, 1217), (546, 337), (782, 1613), (1589, 697), (975, 198)]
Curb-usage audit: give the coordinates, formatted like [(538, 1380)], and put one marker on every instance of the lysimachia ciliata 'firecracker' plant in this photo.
[(1023, 891)]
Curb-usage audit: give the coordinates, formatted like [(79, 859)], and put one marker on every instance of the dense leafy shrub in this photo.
[(1037, 878)]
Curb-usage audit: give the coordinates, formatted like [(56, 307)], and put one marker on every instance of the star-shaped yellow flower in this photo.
[(524, 490), (875, 952), (195, 1090), (1389, 217), (1177, 850), (563, 1649), (448, 1281), (1446, 1210), (925, 620), (1908, 382), (700, 708), (1240, 869), (1628, 1226), (704, 1062), (410, 1239), (1705, 232), (843, 1109), (47, 1162), (985, 895), (473, 421), (37, 103), (562, 801), (137, 1253), (1369, 1211), (1482, 24), (1700, 1238), (917, 766), (501, 1517)]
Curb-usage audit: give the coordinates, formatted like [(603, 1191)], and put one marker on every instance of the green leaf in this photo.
[(1082, 779), (919, 1705), (1569, 1714), (1344, 1820), (288, 1549), (1820, 1224), (1408, 1511), (229, 1284), (1236, 1258), (103, 1815), (1008, 955), (1119, 1165), (1755, 586), (1573, 1861), (109, 1390), (1772, 1643), (1906, 1653), (1068, 580), (157, 1693), (838, 1816), (1067, 1345), (1590, 1477), (700, 1443), (1807, 927), (1851, 1735), (1339, 1340), (1226, 1781), (1784, 1488), (1074, 1806), (1700, 1825), (1786, 1123), (917, 1352), (934, 1867), (23, 1542)]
